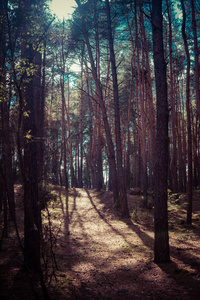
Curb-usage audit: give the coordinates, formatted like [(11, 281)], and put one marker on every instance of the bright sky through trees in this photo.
[(62, 8)]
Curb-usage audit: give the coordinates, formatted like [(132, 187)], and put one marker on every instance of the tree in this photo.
[(197, 75), (161, 244), (173, 163), (5, 119), (101, 102), (120, 171), (142, 113), (149, 96), (62, 84), (189, 133), (32, 226)]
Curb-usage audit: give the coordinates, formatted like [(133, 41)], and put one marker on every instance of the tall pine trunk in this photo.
[(197, 80), (6, 169), (111, 150), (173, 163), (120, 170), (161, 244), (189, 130), (32, 217)]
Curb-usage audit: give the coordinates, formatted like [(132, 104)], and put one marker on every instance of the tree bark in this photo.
[(189, 131), (161, 244), (6, 170), (120, 170), (32, 217), (111, 150), (151, 140), (173, 163), (197, 80)]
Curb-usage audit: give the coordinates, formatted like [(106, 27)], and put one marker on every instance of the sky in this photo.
[(62, 8)]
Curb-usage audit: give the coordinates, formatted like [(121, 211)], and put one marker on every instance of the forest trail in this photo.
[(97, 255), (109, 258)]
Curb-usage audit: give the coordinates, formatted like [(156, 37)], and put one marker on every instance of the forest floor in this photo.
[(90, 253)]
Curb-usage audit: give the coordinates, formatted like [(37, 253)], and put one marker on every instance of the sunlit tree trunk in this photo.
[(161, 244)]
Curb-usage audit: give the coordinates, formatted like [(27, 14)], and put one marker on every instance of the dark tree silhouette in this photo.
[(161, 245)]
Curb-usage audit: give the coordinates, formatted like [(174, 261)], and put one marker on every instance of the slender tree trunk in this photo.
[(7, 159), (189, 131), (91, 129), (6, 170), (173, 163), (143, 110), (67, 109), (194, 144), (137, 141), (151, 140), (39, 110), (161, 245), (127, 163), (32, 217), (64, 144), (120, 171), (111, 150), (180, 152), (99, 154), (197, 75), (99, 173), (80, 181)]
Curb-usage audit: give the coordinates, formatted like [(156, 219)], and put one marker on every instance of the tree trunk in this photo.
[(161, 244), (120, 171), (80, 177), (197, 75), (110, 145), (127, 163), (64, 144), (32, 217), (6, 170), (67, 108), (189, 133), (173, 163), (151, 140)]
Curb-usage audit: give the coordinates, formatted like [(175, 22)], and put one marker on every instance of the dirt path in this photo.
[(113, 259), (101, 257)]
